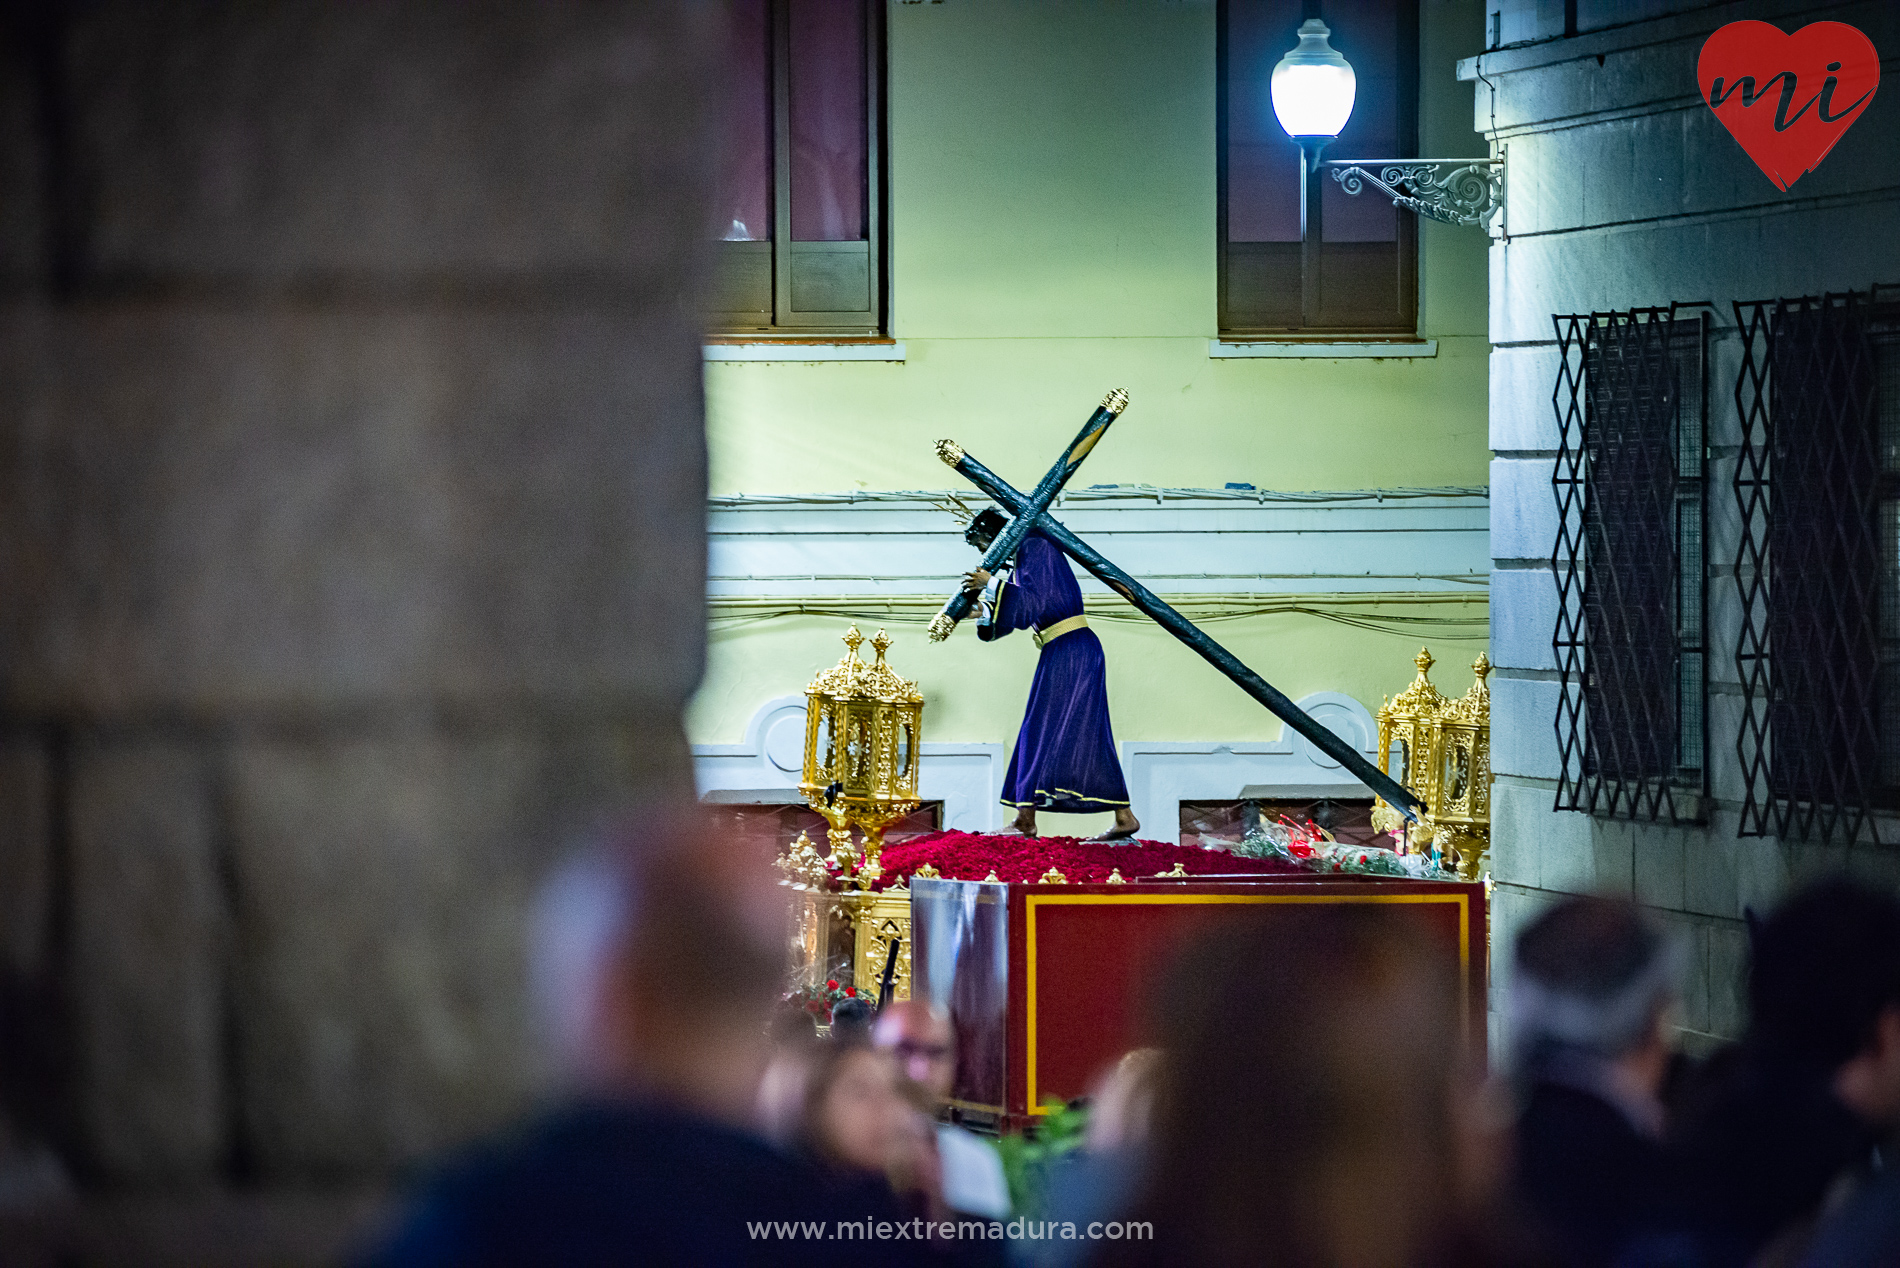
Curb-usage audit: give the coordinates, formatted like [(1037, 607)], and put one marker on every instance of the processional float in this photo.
[(1031, 513)]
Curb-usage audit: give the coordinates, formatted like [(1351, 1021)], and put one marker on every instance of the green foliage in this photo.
[(1030, 1157)]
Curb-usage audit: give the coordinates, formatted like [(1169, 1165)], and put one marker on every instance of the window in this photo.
[(799, 211), (1632, 601), (1819, 485), (1369, 249)]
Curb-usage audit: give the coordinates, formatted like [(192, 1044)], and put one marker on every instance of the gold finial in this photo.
[(940, 627), (950, 452), (1424, 661), (853, 640), (1116, 401), (1481, 666), (928, 872), (1115, 877), (1178, 870), (993, 878), (882, 642), (1053, 877)]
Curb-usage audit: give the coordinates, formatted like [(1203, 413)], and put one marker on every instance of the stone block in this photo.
[(26, 862), (148, 943), (382, 887), (1545, 188), (1728, 978), (22, 170), (1657, 855), (1693, 935), (1523, 419), (1725, 721), (559, 147), (1525, 831), (216, 510), (1598, 860), (1523, 618), (1523, 727), (1523, 509)]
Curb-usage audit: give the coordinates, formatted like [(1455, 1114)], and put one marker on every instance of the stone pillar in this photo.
[(351, 549)]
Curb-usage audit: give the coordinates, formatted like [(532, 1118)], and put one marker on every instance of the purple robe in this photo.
[(1065, 754)]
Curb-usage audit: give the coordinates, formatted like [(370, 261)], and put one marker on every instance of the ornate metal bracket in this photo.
[(1467, 192)]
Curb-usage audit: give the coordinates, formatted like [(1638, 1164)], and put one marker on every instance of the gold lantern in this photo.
[(1408, 724), (1461, 804), (1441, 750), (862, 729)]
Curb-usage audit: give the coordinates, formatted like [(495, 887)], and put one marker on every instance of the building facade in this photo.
[(1698, 727), (1055, 176)]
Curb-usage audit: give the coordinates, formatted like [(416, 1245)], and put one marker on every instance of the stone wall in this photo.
[(352, 487), (1623, 191)]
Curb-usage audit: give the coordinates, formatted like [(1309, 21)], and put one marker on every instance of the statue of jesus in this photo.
[(1065, 754)]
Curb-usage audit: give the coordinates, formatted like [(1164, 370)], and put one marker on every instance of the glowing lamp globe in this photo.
[(1313, 86)]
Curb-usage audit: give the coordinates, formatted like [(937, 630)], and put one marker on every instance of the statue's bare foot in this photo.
[(1126, 825), (1024, 825)]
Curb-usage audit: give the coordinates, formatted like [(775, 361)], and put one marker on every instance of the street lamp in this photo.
[(1312, 90)]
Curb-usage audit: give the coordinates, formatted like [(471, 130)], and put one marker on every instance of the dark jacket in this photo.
[(1599, 1191), (1761, 1143), (623, 1184)]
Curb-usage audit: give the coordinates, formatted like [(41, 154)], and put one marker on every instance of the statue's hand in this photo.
[(975, 580)]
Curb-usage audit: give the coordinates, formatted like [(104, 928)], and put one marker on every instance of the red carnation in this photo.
[(851, 992), (831, 984)]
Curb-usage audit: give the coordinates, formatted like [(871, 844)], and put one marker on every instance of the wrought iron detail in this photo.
[(1467, 192), (1628, 561), (1818, 483)]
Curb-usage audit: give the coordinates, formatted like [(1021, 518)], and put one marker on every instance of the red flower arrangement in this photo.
[(968, 856), (819, 1000)]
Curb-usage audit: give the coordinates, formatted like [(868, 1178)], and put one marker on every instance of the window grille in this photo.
[(1819, 486), (1631, 598)]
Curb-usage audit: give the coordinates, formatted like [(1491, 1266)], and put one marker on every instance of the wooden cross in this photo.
[(1031, 512)]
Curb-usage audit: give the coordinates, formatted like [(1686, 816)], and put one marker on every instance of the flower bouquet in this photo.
[(819, 1000)]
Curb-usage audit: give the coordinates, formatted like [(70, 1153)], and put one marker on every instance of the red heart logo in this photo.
[(1787, 98)]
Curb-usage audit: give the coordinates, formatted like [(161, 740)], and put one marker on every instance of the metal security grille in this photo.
[(1819, 486), (1631, 601)]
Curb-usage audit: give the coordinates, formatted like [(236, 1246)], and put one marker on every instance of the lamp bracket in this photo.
[(1454, 191)]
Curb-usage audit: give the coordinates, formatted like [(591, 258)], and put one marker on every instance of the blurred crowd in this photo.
[(1307, 1094)]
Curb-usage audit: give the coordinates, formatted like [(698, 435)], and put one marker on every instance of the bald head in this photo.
[(920, 1039)]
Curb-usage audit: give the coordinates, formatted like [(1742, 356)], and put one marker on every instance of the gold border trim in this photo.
[(1033, 901)]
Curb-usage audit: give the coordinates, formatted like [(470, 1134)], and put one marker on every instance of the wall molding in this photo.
[(967, 776)]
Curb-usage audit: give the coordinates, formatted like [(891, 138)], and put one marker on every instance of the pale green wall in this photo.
[(1052, 187)]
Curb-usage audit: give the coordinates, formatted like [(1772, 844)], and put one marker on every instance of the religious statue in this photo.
[(1065, 753), (1030, 514)]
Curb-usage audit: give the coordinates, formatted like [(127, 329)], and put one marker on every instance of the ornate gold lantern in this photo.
[(1407, 745), (1461, 803), (1441, 750), (863, 725)]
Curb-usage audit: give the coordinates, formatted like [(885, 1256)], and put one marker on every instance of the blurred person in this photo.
[(958, 1173), (1098, 1181), (1591, 1003), (1318, 1107), (1792, 1115), (780, 1103), (651, 1159), (852, 1018), (1121, 1106), (1864, 1232), (853, 1117)]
